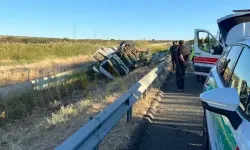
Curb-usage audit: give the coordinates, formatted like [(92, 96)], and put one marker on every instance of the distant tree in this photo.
[(65, 39), (25, 40)]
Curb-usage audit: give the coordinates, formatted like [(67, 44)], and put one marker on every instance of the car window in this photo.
[(241, 80), (227, 64), (208, 43), (203, 38), (222, 60)]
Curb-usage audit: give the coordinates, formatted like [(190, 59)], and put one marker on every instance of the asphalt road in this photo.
[(178, 120)]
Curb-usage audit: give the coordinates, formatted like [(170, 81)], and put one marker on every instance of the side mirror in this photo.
[(223, 101), (212, 51)]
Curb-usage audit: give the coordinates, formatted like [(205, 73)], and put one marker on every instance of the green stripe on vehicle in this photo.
[(192, 54), (223, 132)]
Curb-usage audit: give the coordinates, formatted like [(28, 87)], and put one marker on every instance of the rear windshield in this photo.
[(238, 32)]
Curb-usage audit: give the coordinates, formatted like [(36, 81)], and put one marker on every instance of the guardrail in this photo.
[(91, 134), (17, 90)]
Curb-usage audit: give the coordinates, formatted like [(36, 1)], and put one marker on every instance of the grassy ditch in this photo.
[(20, 107), (48, 126), (17, 108)]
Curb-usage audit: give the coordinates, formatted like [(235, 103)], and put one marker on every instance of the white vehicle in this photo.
[(208, 49), (120, 61), (226, 100), (110, 64)]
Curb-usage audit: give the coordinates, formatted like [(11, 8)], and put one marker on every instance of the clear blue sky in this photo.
[(130, 19)]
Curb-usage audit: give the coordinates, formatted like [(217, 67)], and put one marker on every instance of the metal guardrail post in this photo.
[(129, 112), (145, 94), (129, 115), (28, 73)]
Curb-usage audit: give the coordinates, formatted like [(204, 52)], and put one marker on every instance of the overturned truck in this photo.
[(114, 62)]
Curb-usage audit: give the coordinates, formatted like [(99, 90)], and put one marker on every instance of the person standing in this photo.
[(192, 54), (173, 49), (182, 55)]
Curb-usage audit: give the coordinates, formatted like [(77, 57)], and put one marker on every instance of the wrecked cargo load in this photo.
[(119, 61)]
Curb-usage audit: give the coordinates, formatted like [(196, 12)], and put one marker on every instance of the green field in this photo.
[(27, 49)]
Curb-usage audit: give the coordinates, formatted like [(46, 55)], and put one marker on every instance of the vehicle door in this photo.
[(103, 53), (110, 63), (109, 51), (240, 79), (224, 133), (100, 55), (212, 83), (207, 51)]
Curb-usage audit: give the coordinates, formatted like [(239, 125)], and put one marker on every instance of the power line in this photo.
[(74, 31)]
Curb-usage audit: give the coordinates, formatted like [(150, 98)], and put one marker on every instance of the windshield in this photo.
[(234, 27)]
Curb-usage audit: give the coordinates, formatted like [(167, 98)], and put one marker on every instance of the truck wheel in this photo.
[(130, 44)]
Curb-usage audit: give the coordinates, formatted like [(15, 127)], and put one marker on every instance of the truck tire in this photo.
[(130, 44)]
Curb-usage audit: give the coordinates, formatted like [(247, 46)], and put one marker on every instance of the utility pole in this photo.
[(74, 31)]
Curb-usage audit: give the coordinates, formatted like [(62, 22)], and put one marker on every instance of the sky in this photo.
[(114, 19)]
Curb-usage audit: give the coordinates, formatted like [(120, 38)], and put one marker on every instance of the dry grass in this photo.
[(46, 129), (22, 52), (21, 61), (141, 45), (66, 112), (13, 74), (33, 52)]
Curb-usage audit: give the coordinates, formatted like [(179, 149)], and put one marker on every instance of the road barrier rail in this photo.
[(92, 133)]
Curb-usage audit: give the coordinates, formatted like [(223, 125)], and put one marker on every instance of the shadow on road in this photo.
[(176, 123)]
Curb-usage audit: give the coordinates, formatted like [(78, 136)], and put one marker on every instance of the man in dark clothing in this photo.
[(181, 64), (173, 53)]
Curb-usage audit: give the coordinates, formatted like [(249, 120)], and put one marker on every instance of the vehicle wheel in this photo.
[(128, 43), (205, 133)]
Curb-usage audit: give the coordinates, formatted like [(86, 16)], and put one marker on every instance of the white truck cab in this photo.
[(110, 64), (208, 49)]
